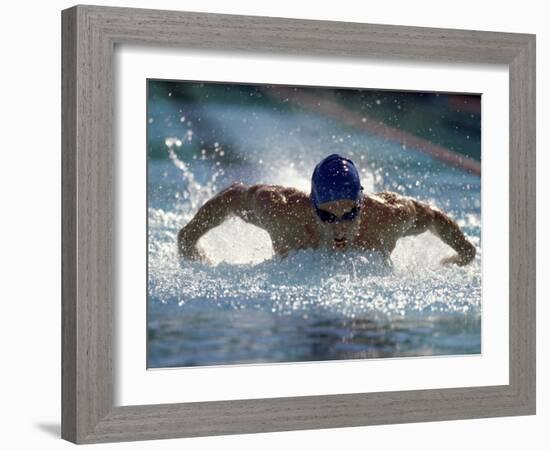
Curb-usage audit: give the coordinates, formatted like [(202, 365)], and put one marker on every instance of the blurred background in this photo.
[(448, 120)]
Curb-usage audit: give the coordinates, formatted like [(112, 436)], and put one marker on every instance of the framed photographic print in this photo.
[(267, 222)]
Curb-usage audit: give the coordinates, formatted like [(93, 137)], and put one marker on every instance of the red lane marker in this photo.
[(378, 128)]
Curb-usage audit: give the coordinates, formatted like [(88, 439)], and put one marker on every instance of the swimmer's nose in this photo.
[(340, 233), (340, 227)]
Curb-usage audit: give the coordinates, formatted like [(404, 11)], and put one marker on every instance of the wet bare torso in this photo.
[(290, 219)]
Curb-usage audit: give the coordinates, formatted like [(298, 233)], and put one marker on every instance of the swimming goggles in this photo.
[(328, 217)]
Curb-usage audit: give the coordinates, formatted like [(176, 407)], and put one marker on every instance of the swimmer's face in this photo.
[(335, 230)]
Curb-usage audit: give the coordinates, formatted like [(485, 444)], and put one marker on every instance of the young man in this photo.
[(337, 215)]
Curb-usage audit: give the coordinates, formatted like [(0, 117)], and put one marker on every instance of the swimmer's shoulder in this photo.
[(387, 198), (273, 195), (391, 202)]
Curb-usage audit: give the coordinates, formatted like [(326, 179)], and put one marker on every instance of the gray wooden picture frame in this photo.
[(89, 36)]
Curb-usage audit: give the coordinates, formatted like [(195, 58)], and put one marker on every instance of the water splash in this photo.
[(246, 274)]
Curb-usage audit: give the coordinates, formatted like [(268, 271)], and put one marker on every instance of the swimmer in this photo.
[(337, 214)]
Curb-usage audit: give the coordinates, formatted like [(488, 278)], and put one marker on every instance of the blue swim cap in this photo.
[(335, 178)]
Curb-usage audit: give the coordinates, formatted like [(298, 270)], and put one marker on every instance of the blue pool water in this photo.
[(252, 307)]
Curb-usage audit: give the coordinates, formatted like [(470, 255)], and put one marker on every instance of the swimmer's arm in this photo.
[(427, 217), (229, 201)]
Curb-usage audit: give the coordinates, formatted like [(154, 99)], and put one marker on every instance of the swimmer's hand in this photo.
[(459, 260), (197, 254), (191, 250)]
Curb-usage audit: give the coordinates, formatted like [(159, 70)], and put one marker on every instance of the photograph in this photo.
[(280, 223), (295, 224)]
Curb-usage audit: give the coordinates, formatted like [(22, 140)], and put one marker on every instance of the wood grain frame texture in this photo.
[(89, 36)]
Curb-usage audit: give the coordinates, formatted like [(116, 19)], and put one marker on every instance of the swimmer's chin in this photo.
[(340, 244)]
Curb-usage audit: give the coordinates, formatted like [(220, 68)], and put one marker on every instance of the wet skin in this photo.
[(289, 217)]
